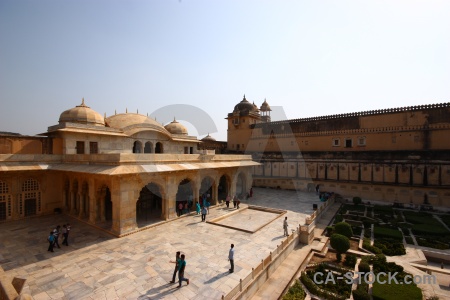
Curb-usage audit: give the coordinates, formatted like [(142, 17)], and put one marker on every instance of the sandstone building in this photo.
[(395, 155), (120, 172)]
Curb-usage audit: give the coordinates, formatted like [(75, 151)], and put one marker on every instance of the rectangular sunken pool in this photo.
[(249, 219)]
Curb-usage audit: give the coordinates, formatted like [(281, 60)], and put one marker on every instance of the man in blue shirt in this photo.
[(181, 267)]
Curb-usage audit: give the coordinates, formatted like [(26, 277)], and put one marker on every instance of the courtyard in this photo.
[(97, 265)]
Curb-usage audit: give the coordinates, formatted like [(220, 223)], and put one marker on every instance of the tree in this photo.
[(340, 243), (344, 229), (357, 200)]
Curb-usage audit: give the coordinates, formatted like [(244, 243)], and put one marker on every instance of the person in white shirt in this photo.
[(231, 258)]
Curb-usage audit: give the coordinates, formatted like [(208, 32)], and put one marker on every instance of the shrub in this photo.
[(409, 240), (338, 219), (340, 243), (314, 289), (350, 260), (363, 267), (344, 229), (295, 292), (360, 294), (373, 249), (357, 200), (390, 247), (329, 230)]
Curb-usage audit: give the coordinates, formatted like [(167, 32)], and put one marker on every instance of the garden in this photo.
[(383, 229)]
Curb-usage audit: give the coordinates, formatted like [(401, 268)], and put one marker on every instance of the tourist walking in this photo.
[(197, 208), (64, 234), (204, 212), (285, 227), (231, 258), (227, 201), (68, 233), (251, 192), (181, 268), (51, 241), (56, 233), (180, 209), (234, 201), (176, 262)]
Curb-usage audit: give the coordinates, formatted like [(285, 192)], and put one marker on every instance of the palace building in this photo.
[(395, 155), (120, 173)]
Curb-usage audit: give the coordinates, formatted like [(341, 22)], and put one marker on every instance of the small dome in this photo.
[(175, 127), (265, 106), (208, 138), (245, 107), (82, 114), (255, 106)]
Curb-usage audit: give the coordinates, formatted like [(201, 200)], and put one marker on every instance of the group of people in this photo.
[(180, 266), (235, 200), (184, 207), (53, 238)]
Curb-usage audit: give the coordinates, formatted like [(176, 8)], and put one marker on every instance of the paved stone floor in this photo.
[(249, 219), (96, 265)]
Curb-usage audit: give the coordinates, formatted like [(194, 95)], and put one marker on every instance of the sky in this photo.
[(306, 58)]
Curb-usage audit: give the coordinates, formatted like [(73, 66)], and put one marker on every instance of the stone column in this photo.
[(102, 206), (215, 192), (170, 202), (81, 213), (72, 201), (93, 211), (196, 192)]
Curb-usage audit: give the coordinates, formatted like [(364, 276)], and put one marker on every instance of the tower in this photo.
[(240, 122)]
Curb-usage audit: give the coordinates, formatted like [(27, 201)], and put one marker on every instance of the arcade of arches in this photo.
[(119, 204)]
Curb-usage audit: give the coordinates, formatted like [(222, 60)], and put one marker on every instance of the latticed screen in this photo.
[(30, 185), (3, 188)]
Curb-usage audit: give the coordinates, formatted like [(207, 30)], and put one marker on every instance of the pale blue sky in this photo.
[(310, 58)]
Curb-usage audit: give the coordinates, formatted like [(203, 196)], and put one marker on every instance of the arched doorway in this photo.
[(137, 147), (108, 205), (206, 189), (185, 196), (224, 187), (148, 147), (149, 205), (241, 186), (159, 148)]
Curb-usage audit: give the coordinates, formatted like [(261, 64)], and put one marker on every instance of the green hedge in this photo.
[(431, 243), (367, 246), (395, 291), (409, 240), (390, 247), (350, 260), (430, 229), (314, 289), (445, 219), (381, 232), (383, 209), (295, 292), (361, 292)]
